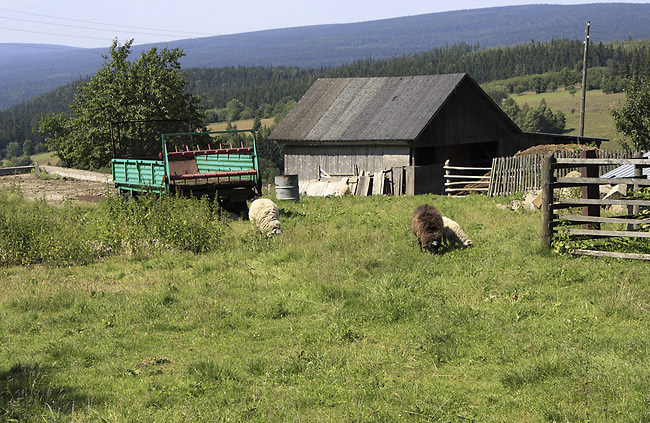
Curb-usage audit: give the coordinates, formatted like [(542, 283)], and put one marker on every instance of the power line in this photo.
[(82, 27), (50, 47), (97, 23), (50, 33)]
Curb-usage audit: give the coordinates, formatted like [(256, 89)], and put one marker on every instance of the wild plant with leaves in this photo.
[(148, 92), (632, 117)]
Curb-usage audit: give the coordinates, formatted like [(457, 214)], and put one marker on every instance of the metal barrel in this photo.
[(286, 187)]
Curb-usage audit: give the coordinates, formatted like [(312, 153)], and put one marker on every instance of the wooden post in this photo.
[(638, 173), (447, 177), (410, 180), (584, 82), (493, 172), (547, 200), (591, 192)]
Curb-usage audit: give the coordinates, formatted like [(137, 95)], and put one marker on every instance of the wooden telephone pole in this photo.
[(584, 82)]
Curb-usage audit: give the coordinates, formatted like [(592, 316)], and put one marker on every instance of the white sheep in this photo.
[(453, 234), (265, 216)]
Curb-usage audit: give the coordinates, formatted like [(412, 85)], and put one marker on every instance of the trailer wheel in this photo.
[(126, 196), (241, 209)]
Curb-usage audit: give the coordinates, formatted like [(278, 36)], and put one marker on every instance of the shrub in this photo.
[(150, 222)]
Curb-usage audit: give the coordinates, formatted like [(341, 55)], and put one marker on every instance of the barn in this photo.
[(351, 126)]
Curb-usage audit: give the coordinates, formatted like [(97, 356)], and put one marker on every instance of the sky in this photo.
[(92, 23)]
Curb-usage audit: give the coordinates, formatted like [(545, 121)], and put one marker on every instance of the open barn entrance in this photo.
[(474, 154)]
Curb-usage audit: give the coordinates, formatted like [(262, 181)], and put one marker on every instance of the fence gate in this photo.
[(464, 180), (594, 226)]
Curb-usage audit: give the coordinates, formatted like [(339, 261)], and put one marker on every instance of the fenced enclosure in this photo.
[(460, 180), (515, 174), (633, 224), (509, 175)]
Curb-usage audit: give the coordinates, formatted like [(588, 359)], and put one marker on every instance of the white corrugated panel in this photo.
[(627, 171)]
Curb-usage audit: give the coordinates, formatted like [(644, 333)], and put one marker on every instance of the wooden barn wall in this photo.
[(467, 119), (305, 161), (425, 180)]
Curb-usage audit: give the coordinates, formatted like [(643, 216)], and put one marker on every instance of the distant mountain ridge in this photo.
[(30, 70)]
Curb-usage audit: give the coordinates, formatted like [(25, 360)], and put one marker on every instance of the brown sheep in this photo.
[(427, 225)]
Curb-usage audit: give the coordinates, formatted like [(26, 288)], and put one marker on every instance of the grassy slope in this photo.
[(598, 118), (49, 158), (340, 318), (241, 124)]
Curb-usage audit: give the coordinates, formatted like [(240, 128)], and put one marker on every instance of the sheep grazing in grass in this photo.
[(265, 216), (453, 234), (427, 225)]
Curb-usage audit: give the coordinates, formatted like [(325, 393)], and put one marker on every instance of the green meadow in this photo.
[(164, 311), (598, 106)]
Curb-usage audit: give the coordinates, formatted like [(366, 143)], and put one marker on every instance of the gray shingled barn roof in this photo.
[(369, 109)]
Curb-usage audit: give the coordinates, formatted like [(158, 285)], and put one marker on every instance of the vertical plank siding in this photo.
[(523, 173)]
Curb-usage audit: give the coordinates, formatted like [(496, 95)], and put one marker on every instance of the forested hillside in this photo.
[(231, 93), (23, 75), (530, 66)]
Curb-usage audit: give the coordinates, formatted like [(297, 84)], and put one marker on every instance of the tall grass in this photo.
[(35, 232), (340, 318)]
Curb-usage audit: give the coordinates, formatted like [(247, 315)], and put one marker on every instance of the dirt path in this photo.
[(57, 190)]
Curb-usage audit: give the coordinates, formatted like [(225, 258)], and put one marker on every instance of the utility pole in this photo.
[(584, 82)]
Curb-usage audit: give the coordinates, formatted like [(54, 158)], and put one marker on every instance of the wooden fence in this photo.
[(465, 180), (524, 173), (515, 174), (591, 203), (509, 175)]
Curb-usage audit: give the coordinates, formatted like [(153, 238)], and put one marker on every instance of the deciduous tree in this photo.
[(632, 117), (150, 90)]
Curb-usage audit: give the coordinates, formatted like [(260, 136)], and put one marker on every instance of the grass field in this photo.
[(340, 318), (48, 158), (598, 118), (241, 124)]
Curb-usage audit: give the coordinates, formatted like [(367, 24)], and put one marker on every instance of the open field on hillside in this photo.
[(241, 124), (48, 158), (340, 318), (598, 118)]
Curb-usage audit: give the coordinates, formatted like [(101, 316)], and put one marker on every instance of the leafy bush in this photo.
[(539, 119), (151, 222), (632, 116)]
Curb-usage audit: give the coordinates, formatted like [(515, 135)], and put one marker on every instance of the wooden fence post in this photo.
[(410, 180), (447, 176), (638, 173), (591, 192), (547, 200)]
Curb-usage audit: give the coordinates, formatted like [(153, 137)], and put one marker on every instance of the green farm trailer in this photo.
[(229, 174)]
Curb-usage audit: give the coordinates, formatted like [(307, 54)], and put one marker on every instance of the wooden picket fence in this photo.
[(509, 175), (524, 173), (591, 203)]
